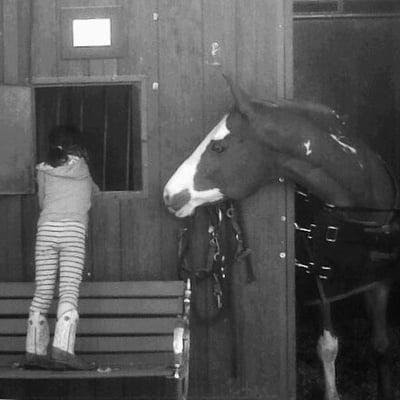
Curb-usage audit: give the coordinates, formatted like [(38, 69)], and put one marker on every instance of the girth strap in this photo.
[(329, 231)]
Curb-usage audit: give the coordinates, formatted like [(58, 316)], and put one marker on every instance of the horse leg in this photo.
[(377, 300), (327, 349)]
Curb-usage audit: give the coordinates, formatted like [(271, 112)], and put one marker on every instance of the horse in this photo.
[(258, 141)]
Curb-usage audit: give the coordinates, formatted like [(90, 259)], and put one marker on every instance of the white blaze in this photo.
[(183, 178)]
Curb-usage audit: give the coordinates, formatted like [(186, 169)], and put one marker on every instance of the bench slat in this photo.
[(100, 344), (105, 326), (131, 329), (121, 360), (142, 371), (168, 306), (103, 289)]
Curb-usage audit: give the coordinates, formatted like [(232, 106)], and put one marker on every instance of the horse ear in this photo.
[(242, 100)]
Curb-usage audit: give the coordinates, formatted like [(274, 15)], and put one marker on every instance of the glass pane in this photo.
[(91, 32)]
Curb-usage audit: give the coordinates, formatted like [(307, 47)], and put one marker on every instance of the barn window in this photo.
[(110, 117)]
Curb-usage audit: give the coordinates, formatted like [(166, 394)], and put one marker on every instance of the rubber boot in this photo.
[(63, 349), (37, 340)]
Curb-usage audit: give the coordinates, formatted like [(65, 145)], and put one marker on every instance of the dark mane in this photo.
[(325, 117)]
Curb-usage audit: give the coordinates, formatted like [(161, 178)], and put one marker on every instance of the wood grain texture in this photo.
[(181, 116), (16, 152), (135, 238), (219, 20), (181, 100), (130, 372), (10, 44), (262, 333), (44, 38), (10, 239), (113, 360), (100, 344), (105, 306), (24, 41), (104, 326), (141, 225), (1, 42), (109, 289)]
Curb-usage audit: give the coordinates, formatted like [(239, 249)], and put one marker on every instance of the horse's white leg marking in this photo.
[(183, 178), (327, 350)]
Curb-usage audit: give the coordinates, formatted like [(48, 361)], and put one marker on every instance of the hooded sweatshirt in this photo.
[(65, 192)]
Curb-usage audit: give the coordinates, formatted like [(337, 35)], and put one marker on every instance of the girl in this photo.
[(65, 188)]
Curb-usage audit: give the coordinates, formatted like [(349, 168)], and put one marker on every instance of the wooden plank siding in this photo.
[(218, 25), (134, 238), (259, 64)]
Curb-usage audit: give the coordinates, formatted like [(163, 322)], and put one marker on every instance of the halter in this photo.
[(218, 268), (218, 263)]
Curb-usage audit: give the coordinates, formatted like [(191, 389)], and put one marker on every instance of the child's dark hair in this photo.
[(64, 140)]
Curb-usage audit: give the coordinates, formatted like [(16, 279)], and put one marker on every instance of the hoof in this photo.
[(64, 361)]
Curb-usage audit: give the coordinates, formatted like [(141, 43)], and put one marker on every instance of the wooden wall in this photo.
[(133, 238)]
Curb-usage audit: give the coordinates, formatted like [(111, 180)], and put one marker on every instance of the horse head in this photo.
[(256, 142), (219, 167)]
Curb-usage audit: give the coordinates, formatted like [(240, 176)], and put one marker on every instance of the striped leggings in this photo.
[(58, 244)]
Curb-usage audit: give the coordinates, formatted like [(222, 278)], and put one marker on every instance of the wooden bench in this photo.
[(130, 329)]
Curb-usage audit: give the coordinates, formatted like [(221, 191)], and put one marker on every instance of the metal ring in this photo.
[(213, 241), (217, 255), (230, 212)]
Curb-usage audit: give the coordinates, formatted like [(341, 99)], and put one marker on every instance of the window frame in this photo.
[(118, 46), (140, 80)]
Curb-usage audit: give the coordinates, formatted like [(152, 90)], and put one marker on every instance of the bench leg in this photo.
[(182, 388), (182, 362)]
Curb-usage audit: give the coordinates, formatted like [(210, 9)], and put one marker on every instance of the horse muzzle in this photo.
[(176, 202)]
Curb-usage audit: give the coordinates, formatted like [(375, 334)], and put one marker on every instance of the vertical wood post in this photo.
[(265, 308)]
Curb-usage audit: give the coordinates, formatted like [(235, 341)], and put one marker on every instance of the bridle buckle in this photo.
[(331, 234)]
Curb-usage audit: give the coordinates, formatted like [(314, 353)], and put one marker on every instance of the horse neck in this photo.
[(343, 179), (319, 182)]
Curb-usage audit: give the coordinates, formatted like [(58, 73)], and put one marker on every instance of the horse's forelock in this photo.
[(220, 131)]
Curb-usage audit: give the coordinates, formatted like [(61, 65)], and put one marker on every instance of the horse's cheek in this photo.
[(207, 175), (239, 186)]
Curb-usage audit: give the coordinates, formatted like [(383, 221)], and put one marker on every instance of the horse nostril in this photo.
[(177, 200)]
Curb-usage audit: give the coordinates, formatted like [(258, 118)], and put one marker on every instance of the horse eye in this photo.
[(217, 147)]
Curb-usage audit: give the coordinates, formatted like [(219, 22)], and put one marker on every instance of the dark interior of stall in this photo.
[(346, 56)]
